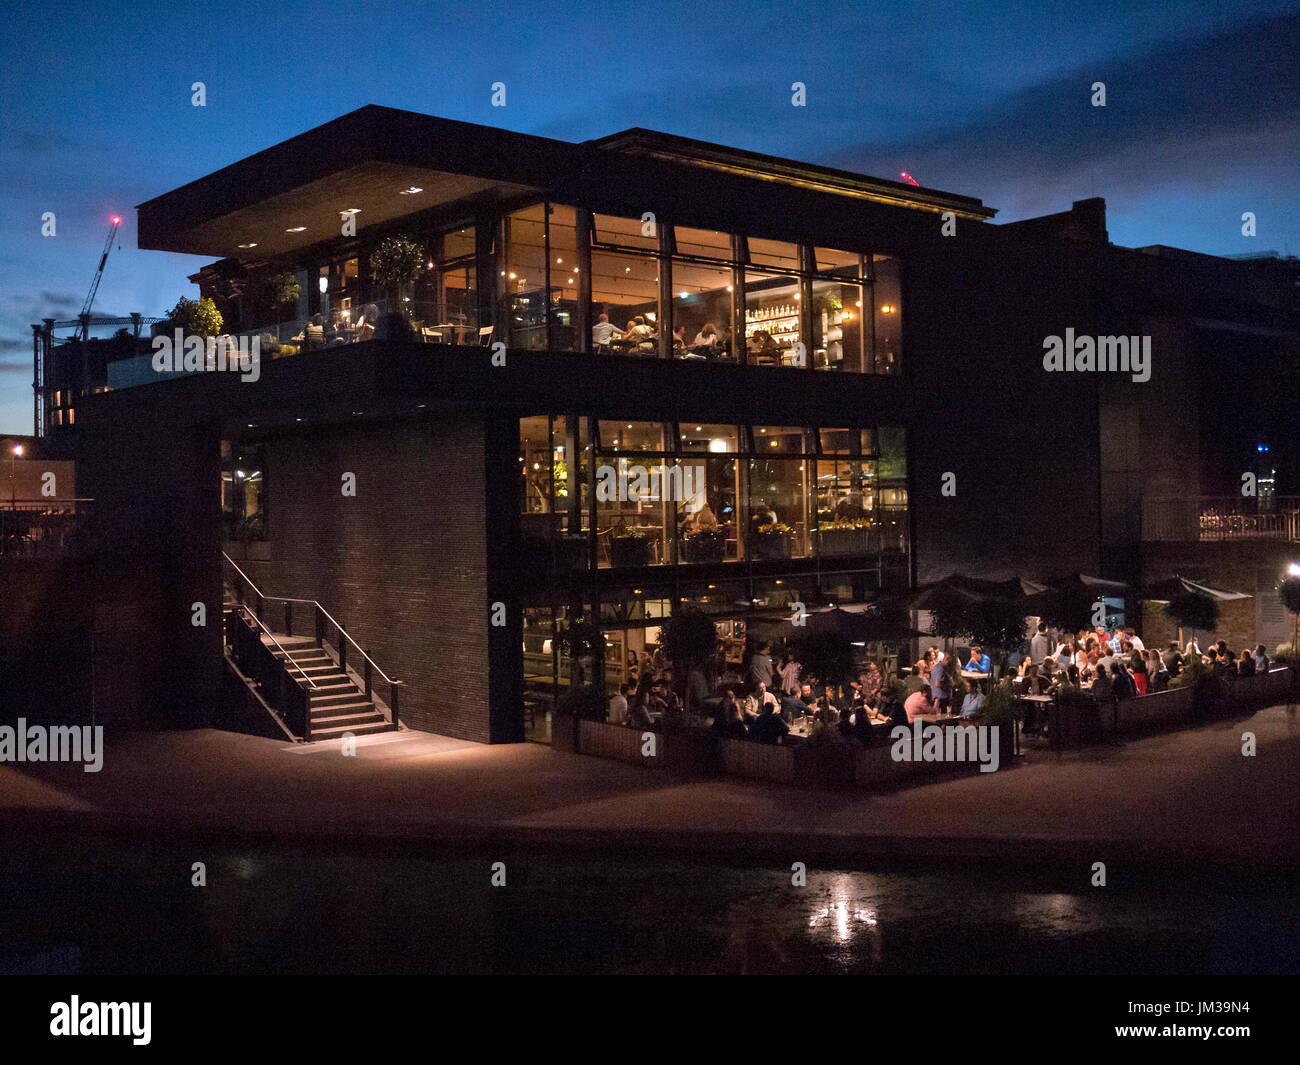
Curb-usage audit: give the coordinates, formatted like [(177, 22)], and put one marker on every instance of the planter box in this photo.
[(704, 548), (757, 761), (772, 545), (690, 752), (1172, 707), (618, 742), (843, 541), (629, 551), (564, 732), (830, 765)]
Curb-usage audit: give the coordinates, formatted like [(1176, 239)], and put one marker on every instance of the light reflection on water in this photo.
[(130, 907)]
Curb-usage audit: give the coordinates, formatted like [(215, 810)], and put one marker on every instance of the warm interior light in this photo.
[(411, 190), (324, 284), (295, 229), (253, 245)]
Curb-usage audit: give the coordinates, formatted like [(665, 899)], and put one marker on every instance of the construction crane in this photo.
[(99, 275)]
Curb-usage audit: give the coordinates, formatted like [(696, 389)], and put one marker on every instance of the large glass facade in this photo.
[(695, 493)]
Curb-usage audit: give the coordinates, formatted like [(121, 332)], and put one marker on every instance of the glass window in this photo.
[(702, 243), (780, 254), (625, 232), (635, 506), (536, 466), (777, 525), (563, 237), (707, 520), (836, 441), (713, 438), (243, 491), (625, 289), (841, 263), (631, 436), (702, 300), (772, 320), (778, 440), (523, 278), (888, 314), (837, 334)]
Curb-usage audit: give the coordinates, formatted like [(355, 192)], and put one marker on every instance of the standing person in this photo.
[(1159, 672), (1039, 646), (601, 335), (940, 686), (1262, 664), (1173, 660), (1134, 639), (618, 706), (789, 672)]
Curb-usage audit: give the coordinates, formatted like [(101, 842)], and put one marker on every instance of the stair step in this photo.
[(333, 732), (346, 719), (356, 705), (340, 698)]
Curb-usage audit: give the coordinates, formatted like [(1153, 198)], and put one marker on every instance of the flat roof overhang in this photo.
[(364, 159)]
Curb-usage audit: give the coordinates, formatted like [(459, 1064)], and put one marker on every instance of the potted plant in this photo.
[(586, 702), (395, 264), (1192, 610), (850, 536), (196, 317), (705, 545), (1289, 593), (772, 540), (999, 709), (628, 548)]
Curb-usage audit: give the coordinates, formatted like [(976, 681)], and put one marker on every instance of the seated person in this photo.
[(768, 727), (637, 715), (973, 701), (679, 339), (706, 340), (913, 682), (979, 662), (315, 332), (728, 721), (918, 703), (365, 327), (617, 713)]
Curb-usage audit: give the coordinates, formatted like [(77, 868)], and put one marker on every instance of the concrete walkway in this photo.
[(1186, 798)]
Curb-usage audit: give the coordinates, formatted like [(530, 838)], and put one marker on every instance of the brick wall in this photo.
[(1228, 566), (402, 565)]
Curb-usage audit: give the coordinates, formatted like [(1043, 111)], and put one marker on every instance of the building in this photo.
[(821, 385)]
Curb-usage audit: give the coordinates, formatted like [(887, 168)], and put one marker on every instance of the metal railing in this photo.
[(322, 621), (1212, 518)]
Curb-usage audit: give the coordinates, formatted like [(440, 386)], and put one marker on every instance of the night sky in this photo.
[(1202, 119)]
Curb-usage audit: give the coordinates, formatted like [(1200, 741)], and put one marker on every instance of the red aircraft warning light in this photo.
[(909, 179), (117, 220)]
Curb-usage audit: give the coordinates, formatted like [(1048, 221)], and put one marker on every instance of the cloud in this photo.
[(1197, 113)]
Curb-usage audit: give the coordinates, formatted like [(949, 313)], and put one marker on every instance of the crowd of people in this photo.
[(773, 695)]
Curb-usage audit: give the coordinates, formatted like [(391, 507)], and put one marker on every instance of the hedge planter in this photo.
[(689, 752), (629, 551), (564, 732), (704, 547), (831, 765), (772, 545), (843, 541)]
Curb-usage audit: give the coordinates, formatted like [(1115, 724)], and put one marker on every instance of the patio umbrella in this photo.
[(1162, 591)]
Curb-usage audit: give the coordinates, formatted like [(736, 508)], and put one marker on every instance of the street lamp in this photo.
[(13, 473)]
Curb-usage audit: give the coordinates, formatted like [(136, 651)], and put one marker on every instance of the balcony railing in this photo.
[(1208, 518), (380, 320)]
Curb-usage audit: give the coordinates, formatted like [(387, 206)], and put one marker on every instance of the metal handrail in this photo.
[(277, 643), (283, 599)]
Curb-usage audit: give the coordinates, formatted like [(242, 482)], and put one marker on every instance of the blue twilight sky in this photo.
[(989, 99)]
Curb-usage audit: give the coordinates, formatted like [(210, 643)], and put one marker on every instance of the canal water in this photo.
[(113, 906)]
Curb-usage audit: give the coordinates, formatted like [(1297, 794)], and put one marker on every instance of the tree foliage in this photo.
[(197, 317), (689, 639), (396, 261), (992, 622), (1193, 610), (825, 656)]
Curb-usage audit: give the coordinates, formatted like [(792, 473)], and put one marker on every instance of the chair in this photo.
[(430, 335), (485, 335)]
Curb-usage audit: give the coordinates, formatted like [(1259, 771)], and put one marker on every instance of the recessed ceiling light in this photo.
[(411, 190), (295, 229), (350, 210), (253, 245)]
